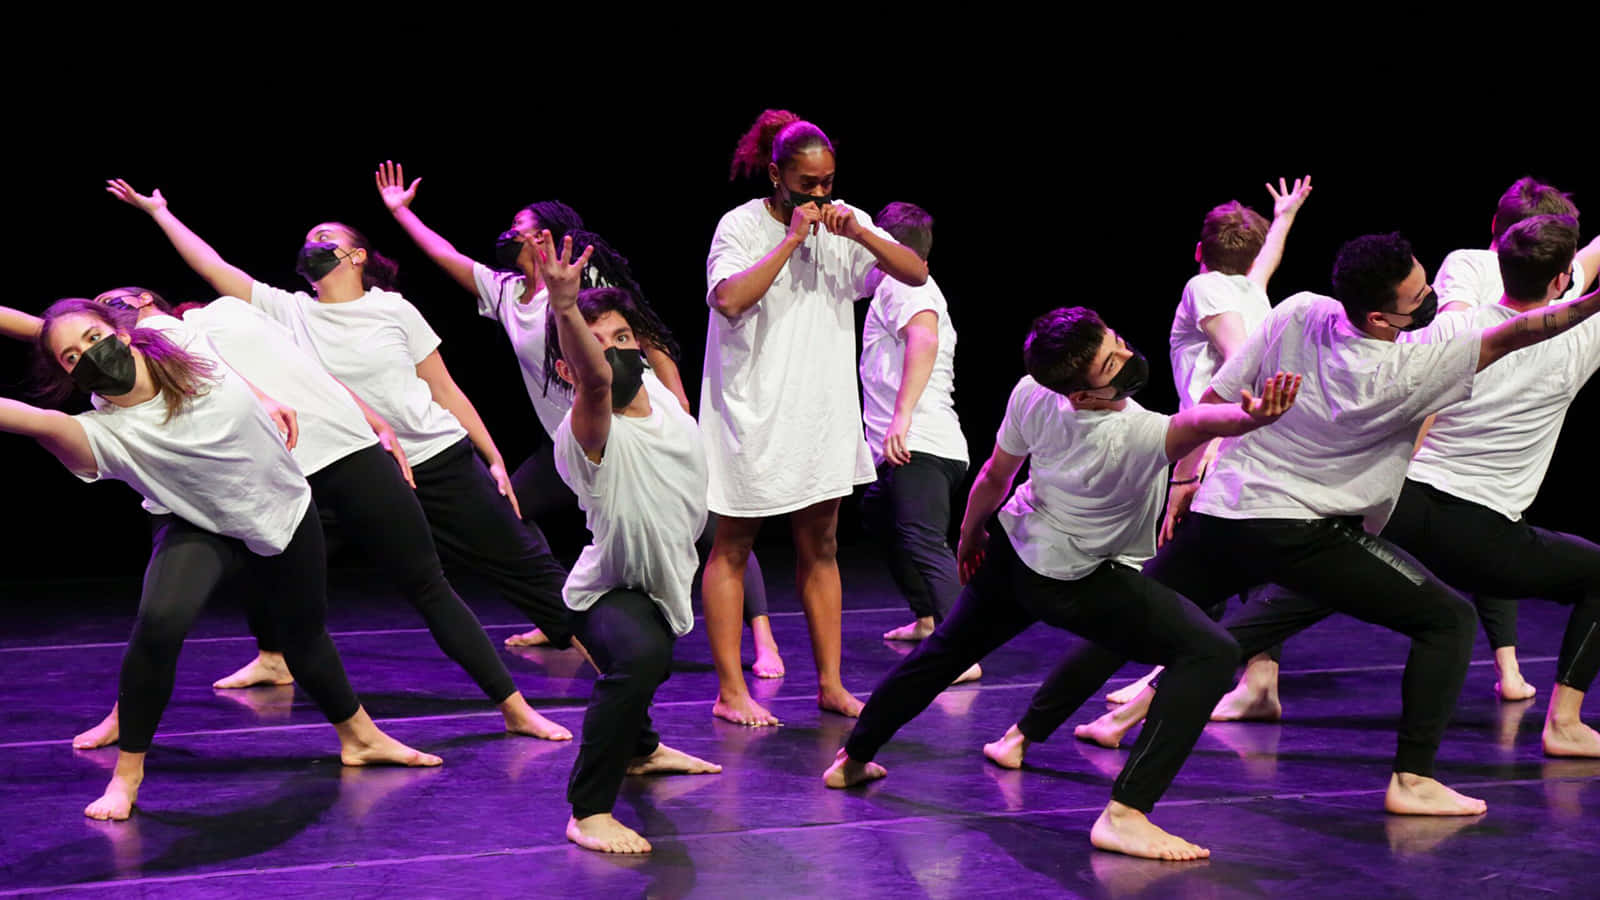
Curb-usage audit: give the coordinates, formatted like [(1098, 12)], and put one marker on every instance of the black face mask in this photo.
[(797, 199), (1422, 316), (106, 368), (121, 302), (507, 247), (1132, 377), (627, 375), (317, 259)]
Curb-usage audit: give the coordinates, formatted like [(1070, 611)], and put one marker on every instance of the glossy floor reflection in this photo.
[(244, 794)]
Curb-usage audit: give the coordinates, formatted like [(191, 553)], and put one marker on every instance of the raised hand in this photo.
[(1287, 201), (804, 220), (562, 274), (1277, 396), (391, 179), (841, 221), (123, 191)]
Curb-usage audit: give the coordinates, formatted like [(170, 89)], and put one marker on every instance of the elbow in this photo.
[(917, 276)]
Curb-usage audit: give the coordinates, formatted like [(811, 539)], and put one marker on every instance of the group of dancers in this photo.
[(1353, 454)]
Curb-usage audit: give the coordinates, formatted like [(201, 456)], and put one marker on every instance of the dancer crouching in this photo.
[(1068, 550), (635, 461)]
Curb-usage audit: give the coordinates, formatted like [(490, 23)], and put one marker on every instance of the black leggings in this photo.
[(541, 494), (631, 644), (1474, 548), (380, 515), (186, 565), (1123, 614), (908, 509)]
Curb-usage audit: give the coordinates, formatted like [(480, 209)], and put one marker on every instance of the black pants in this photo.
[(475, 529), (908, 509), (631, 643), (380, 515), (1123, 614), (1330, 565), (186, 565), (1474, 548), (541, 493)]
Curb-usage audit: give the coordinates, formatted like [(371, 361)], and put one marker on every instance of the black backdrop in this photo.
[(1045, 194)]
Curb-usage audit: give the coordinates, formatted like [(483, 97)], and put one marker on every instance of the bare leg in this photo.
[(604, 834), (116, 803), (1123, 829), (1255, 699), (915, 631), (534, 638), (103, 735), (667, 761), (267, 668), (973, 673), (1111, 728), (524, 719), (362, 743), (846, 772), (722, 587), (1511, 686), (768, 663), (1418, 795), (1007, 753), (817, 580), (1128, 692), (1564, 732)]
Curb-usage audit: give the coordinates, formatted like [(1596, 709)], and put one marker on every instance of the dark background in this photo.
[(1049, 189)]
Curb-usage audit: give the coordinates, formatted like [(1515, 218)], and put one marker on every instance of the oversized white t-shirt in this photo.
[(219, 464), (645, 502), (1194, 360), (1473, 277), (500, 296), (1096, 481), (779, 408), (373, 344), (1343, 449), (265, 353), (935, 429), (1495, 447)]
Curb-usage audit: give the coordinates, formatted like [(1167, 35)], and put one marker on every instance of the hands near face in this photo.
[(1287, 202), (123, 191), (391, 179), (808, 218)]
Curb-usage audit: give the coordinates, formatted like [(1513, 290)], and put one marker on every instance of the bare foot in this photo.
[(103, 735), (743, 711), (915, 631), (1109, 730), (116, 803), (266, 668), (846, 772), (1123, 829), (534, 638), (1511, 687), (1570, 739), (768, 663), (1247, 704), (603, 833), (1124, 694), (1416, 795), (525, 720), (973, 673), (667, 761), (1007, 753), (838, 700), (382, 750)]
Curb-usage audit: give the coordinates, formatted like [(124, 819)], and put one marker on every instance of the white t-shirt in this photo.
[(373, 344), (219, 464), (500, 298), (1343, 449), (1473, 277), (1194, 360), (1495, 447), (265, 353), (935, 429), (779, 407), (645, 502), (1095, 484)]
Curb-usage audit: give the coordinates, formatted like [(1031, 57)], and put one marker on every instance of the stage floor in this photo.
[(245, 795)]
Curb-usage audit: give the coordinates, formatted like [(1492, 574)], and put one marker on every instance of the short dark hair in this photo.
[(1230, 238), (1528, 197), (1534, 251), (909, 224), (1061, 346), (1368, 270), (593, 303)]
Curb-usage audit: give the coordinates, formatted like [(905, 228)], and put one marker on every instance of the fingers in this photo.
[(512, 496), (1246, 400), (583, 261)]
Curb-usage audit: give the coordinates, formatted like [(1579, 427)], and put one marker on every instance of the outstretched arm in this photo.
[(896, 260), (227, 280), (55, 431), (989, 490), (397, 196), (1286, 204), (18, 325), (1191, 429), (448, 395), (922, 350), (591, 374), (1589, 260), (1534, 326)]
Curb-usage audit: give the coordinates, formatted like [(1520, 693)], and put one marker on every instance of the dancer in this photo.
[(505, 295), (178, 427), (637, 465), (1287, 506), (1238, 253), (1066, 551), (908, 406), (376, 342), (778, 401), (342, 448)]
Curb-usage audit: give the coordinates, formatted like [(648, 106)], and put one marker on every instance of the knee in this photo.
[(644, 665), (818, 545), (1215, 651)]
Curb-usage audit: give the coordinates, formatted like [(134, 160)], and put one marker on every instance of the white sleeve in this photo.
[(1209, 297), (280, 305), (495, 288), (1243, 369), (731, 252), (1147, 441), (1011, 437), (1459, 280), (902, 302), (111, 458), (862, 262), (421, 339), (577, 470), (1430, 377)]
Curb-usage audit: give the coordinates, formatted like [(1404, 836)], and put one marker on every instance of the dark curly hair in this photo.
[(1061, 346), (1368, 270)]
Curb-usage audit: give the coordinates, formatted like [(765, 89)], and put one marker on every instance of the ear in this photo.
[(773, 174), (145, 299), (564, 372)]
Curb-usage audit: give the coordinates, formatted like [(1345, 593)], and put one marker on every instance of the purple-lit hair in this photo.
[(777, 136), (1528, 197), (1062, 346), (176, 373)]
